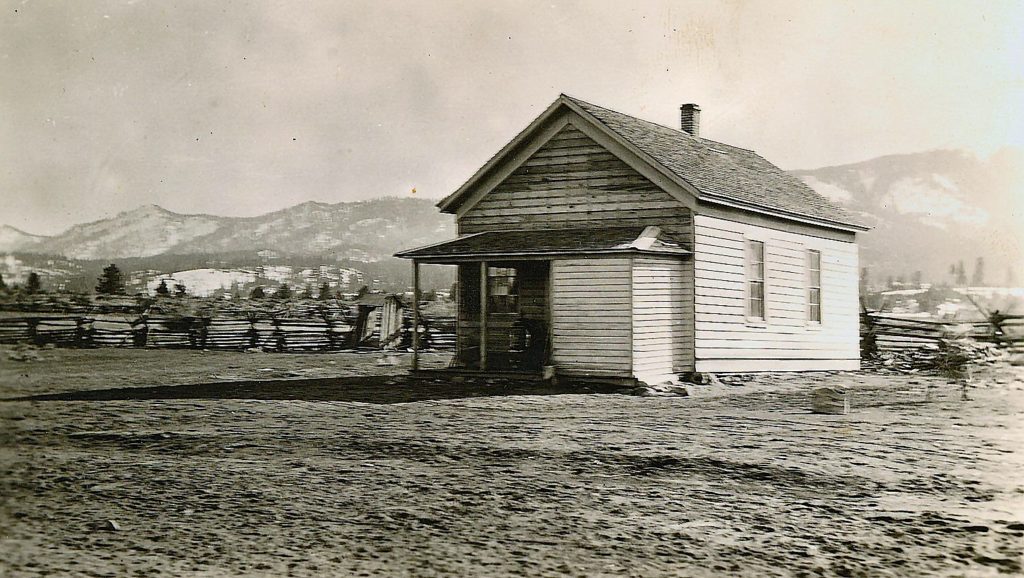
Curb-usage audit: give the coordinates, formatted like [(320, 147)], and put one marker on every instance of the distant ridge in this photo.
[(929, 210), (932, 209), (14, 239), (360, 230)]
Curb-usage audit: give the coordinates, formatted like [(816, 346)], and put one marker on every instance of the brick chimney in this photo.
[(689, 119)]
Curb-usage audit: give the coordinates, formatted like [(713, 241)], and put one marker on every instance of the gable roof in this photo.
[(714, 172), (542, 242)]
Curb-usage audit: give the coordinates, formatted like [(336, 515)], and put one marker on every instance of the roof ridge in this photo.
[(699, 139), (636, 118)]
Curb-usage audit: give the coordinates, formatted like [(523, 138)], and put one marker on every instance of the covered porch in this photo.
[(512, 306), (502, 322)]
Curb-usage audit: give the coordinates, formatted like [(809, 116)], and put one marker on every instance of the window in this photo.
[(814, 286), (502, 290), (755, 280)]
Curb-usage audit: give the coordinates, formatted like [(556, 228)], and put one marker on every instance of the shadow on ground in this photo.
[(366, 389)]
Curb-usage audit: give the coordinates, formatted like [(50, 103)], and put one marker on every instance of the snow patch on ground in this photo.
[(203, 282), (828, 190), (914, 196)]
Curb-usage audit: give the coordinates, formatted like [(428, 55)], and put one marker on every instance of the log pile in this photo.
[(942, 355)]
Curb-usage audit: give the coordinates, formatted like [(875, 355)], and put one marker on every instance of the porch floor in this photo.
[(517, 375)]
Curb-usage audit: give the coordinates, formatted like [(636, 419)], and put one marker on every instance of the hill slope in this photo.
[(12, 239), (933, 209), (929, 210), (362, 231)]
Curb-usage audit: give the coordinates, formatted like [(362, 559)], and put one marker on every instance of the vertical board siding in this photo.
[(467, 327), (573, 182), (590, 322), (662, 317), (726, 341)]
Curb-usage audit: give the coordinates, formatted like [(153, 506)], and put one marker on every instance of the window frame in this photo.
[(752, 320), (810, 284), (510, 299)]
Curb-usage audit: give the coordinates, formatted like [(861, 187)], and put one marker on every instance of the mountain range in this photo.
[(929, 211), (360, 231), (932, 210)]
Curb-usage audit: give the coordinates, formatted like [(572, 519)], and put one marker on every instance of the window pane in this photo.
[(755, 305), (502, 290), (755, 279), (814, 285), (756, 290), (757, 251)]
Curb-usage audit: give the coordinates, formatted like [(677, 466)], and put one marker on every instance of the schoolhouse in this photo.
[(603, 245)]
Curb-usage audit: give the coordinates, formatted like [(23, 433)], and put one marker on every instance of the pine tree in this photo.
[(325, 291), (257, 292), (33, 285), (307, 292), (180, 290), (362, 291), (162, 289), (110, 283), (283, 292), (978, 279), (961, 276)]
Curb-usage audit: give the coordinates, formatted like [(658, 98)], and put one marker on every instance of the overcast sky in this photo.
[(239, 108)]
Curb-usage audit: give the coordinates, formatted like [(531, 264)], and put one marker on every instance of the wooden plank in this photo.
[(559, 198), (616, 216), (595, 209), (415, 315), (756, 365), (483, 316)]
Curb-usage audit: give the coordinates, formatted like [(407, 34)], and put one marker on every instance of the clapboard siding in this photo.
[(590, 322), (724, 340), (573, 182), (662, 317)]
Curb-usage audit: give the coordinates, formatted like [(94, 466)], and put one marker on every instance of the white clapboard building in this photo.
[(603, 245)]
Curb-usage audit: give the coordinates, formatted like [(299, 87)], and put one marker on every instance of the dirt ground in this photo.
[(307, 477)]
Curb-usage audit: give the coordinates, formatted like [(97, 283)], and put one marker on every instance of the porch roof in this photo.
[(547, 242)]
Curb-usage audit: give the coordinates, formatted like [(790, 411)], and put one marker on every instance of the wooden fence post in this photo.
[(415, 315), (140, 336), (33, 331), (280, 341)]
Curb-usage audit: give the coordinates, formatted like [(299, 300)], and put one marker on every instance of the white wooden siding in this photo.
[(662, 317), (786, 340), (590, 317)]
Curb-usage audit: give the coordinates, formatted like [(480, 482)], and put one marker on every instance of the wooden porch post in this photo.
[(483, 315), (415, 315)]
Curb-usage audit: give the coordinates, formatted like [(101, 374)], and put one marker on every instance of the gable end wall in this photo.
[(574, 182)]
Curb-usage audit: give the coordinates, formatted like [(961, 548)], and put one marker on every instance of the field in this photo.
[(305, 476)]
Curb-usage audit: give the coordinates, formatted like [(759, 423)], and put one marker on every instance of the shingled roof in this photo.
[(718, 169), (714, 170), (549, 242)]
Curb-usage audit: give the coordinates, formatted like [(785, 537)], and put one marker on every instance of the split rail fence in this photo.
[(878, 332), (278, 334), (881, 333)]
